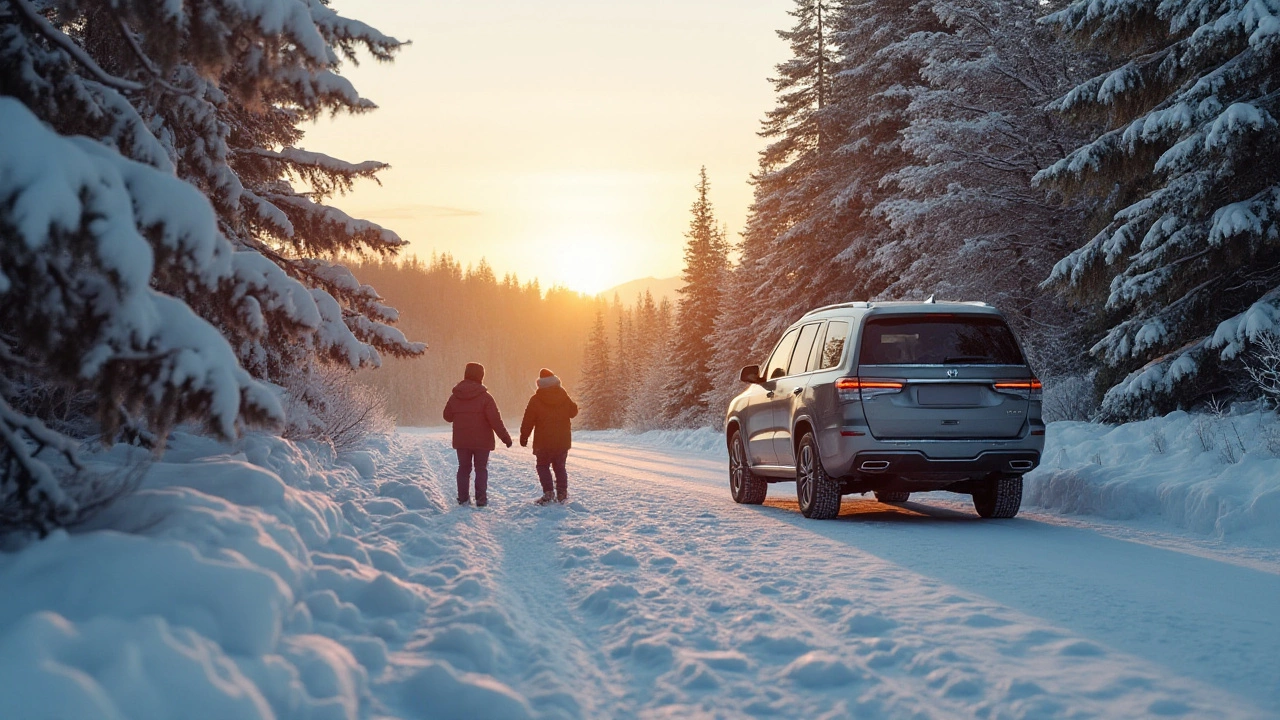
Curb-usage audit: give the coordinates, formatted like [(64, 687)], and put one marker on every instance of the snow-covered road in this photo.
[(653, 594)]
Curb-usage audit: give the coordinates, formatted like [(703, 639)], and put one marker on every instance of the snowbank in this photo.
[(265, 580), (1215, 476), (703, 440)]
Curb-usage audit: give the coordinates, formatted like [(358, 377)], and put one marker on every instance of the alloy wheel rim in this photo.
[(806, 476), (735, 467)]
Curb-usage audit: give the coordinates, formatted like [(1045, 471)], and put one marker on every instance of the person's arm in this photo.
[(495, 421), (448, 410), (573, 409), (526, 425)]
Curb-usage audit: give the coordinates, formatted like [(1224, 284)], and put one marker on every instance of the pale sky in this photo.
[(561, 139)]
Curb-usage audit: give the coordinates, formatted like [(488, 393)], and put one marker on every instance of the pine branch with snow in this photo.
[(1189, 264), (162, 250)]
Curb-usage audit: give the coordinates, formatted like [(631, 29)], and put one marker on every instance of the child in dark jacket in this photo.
[(475, 419), (547, 417)]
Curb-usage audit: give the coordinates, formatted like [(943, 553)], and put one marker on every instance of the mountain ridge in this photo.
[(659, 287)]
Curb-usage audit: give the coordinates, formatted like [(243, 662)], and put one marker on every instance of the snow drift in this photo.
[(1213, 475), (242, 583)]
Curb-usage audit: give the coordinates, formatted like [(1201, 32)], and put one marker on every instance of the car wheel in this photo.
[(999, 498), (818, 493), (892, 497), (744, 485)]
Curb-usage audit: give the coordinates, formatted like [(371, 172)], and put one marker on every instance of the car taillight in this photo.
[(851, 388), (1026, 389)]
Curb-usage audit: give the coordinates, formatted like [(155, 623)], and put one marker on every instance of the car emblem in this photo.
[(953, 373)]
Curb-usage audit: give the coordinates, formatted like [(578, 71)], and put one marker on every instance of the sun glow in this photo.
[(588, 262)]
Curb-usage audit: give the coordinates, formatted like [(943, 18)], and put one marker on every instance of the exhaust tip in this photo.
[(1020, 464), (874, 465)]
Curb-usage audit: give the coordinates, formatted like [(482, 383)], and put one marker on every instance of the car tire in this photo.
[(818, 493), (999, 498), (892, 497), (745, 486)]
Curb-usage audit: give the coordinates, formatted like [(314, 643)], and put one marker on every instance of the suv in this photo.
[(891, 398)]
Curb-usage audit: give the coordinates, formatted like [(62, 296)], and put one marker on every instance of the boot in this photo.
[(563, 497), (546, 498)]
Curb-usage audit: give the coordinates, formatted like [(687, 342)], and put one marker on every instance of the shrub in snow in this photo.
[(156, 252), (330, 405), (1188, 266), (1068, 398), (1270, 436), (1263, 365)]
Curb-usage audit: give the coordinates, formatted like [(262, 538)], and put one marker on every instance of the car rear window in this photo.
[(938, 340)]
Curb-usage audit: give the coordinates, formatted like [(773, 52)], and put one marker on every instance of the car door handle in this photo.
[(797, 391)]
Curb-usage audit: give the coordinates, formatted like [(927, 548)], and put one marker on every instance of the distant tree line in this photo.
[(469, 314), (1108, 174)]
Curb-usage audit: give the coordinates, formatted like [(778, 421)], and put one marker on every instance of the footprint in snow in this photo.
[(980, 620), (1081, 648), (868, 624), (816, 670), (619, 559), (605, 599)]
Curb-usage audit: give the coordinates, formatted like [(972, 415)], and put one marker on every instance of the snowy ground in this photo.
[(278, 583)]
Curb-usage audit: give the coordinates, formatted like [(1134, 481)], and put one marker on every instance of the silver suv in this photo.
[(891, 398)]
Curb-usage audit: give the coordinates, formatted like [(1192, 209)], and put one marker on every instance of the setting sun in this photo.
[(588, 262)]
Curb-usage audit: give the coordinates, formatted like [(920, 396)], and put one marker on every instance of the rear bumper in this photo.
[(913, 463), (845, 456)]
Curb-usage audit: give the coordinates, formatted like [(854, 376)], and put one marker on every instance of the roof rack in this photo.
[(863, 304), (837, 306)]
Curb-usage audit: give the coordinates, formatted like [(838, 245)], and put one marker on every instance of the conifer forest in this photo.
[(1106, 173)]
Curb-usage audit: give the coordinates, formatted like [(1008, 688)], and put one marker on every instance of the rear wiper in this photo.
[(967, 359)]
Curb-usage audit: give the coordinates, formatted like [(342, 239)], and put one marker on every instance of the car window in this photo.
[(815, 355), (777, 365), (804, 346), (939, 340), (833, 346)]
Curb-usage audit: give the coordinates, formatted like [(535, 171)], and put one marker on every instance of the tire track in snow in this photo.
[(562, 676), (677, 602)]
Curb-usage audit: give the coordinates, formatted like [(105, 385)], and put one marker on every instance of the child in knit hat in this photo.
[(547, 418)]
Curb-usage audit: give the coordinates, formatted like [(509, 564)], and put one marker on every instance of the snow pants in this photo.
[(549, 460), (466, 458)]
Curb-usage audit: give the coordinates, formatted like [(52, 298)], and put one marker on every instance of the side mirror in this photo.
[(751, 374)]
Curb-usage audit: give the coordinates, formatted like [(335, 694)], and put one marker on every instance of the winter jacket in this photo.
[(547, 416), (475, 417)]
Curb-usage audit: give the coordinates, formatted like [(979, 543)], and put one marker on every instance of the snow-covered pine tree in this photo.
[(776, 257), (168, 87), (970, 223), (1188, 267), (208, 92), (878, 76), (834, 136), (644, 404), (599, 394), (689, 361), (83, 233), (788, 211)]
